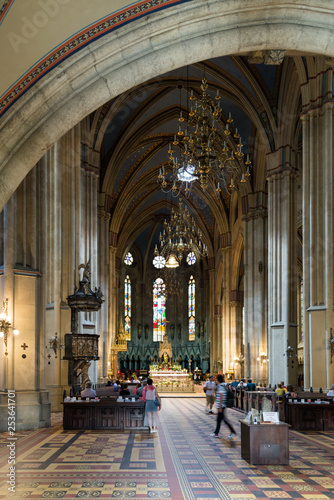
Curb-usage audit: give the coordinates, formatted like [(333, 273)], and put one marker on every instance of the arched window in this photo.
[(191, 307), (127, 307), (159, 310)]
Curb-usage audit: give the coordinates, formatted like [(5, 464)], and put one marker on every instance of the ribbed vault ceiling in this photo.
[(133, 131)]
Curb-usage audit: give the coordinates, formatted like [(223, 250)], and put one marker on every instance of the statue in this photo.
[(139, 330), (202, 328), (179, 331), (146, 331), (171, 330), (198, 329), (84, 373), (86, 276), (165, 357)]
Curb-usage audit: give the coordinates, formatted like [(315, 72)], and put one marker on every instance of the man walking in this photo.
[(209, 389), (221, 394)]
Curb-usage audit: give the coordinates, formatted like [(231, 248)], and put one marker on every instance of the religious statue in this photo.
[(139, 330), (146, 331), (202, 328), (198, 329), (165, 357), (179, 331), (171, 331)]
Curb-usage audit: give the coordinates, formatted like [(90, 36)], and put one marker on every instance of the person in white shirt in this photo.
[(88, 392), (209, 389), (331, 391)]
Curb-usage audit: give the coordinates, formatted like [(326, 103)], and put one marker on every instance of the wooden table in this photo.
[(106, 414), (265, 444)]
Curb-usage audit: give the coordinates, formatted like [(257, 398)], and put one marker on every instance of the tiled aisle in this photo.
[(180, 462)]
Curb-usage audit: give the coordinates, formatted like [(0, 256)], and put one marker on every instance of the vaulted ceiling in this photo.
[(133, 131)]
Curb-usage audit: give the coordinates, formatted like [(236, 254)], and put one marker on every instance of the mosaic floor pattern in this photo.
[(179, 462)]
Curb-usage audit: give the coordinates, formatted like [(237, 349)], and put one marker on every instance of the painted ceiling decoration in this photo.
[(74, 43)]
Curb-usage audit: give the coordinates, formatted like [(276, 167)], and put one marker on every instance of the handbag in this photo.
[(156, 401)]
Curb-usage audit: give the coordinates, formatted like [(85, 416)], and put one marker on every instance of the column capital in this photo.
[(255, 213), (102, 214)]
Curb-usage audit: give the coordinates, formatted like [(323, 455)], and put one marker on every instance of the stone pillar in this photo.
[(219, 337), (255, 292), (282, 267), (318, 237), (213, 331), (113, 294), (103, 281), (237, 348), (226, 347)]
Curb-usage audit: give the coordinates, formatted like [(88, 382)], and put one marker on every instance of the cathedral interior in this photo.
[(93, 170)]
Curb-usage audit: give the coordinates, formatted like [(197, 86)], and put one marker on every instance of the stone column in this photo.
[(213, 331), (282, 267), (318, 238), (103, 282), (255, 291), (237, 348), (226, 347), (113, 294), (219, 336)]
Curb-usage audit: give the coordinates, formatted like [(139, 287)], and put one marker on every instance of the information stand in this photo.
[(265, 444)]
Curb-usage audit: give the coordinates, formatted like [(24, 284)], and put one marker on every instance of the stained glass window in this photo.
[(128, 260), (191, 258), (127, 307), (159, 261), (159, 310), (191, 307)]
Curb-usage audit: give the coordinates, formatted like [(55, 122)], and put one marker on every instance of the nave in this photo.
[(180, 462)]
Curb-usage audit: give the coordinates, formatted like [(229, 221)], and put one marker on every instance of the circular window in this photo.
[(191, 258), (159, 261), (128, 259)]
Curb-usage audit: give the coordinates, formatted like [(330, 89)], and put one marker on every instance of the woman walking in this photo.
[(151, 409)]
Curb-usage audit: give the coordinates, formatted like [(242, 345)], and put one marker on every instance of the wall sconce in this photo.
[(240, 359), (5, 325), (54, 344), (289, 354), (262, 358)]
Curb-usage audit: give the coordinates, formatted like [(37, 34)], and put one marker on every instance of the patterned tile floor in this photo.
[(180, 462)]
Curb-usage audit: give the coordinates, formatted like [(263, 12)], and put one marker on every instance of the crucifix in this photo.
[(24, 346)]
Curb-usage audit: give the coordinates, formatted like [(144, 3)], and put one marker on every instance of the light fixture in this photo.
[(290, 354), (171, 280), (262, 358), (239, 359), (54, 344), (180, 237), (5, 325), (206, 147)]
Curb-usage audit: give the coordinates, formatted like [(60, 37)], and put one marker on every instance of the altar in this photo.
[(172, 381), (167, 375)]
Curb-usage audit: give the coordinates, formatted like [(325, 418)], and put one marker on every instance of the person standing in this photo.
[(250, 385), (209, 389), (221, 394), (151, 410)]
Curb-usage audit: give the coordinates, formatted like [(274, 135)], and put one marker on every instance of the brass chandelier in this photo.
[(206, 148), (180, 236)]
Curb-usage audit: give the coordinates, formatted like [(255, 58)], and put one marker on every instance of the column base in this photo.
[(32, 410)]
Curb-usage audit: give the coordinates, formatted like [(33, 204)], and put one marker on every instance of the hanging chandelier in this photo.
[(180, 237), (206, 147)]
